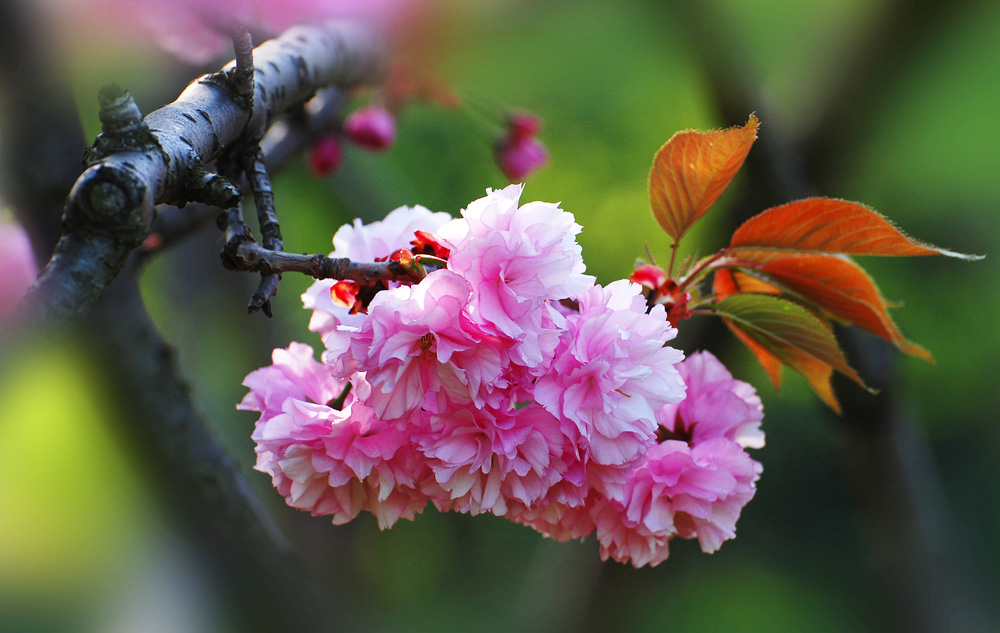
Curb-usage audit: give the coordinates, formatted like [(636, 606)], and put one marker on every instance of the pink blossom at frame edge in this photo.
[(196, 32), (18, 265)]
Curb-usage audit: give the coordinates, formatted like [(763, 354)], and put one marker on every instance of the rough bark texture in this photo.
[(136, 164)]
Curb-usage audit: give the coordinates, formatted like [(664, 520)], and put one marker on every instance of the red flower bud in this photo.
[(519, 157), (372, 127), (325, 155), (649, 276), (344, 293), (425, 243), (522, 125)]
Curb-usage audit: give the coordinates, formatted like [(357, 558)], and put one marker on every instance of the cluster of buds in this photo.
[(518, 151), (371, 127)]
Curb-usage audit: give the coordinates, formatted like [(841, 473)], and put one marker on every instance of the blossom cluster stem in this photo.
[(242, 252)]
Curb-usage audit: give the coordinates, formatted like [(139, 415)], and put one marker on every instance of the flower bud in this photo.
[(519, 157), (372, 127), (521, 125), (325, 155)]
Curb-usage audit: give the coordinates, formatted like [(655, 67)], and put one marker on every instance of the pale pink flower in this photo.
[(366, 243), (487, 460), (417, 346), (338, 463), (294, 373), (558, 520), (630, 541), (516, 259), (612, 372), (681, 490), (717, 405), (17, 264), (707, 500), (196, 31)]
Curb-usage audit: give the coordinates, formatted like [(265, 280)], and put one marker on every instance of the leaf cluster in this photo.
[(787, 273)]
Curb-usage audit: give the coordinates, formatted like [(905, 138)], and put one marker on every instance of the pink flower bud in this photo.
[(522, 125), (519, 157), (372, 127), (325, 155)]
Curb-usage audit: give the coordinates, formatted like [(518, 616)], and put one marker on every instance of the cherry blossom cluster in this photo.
[(505, 381)]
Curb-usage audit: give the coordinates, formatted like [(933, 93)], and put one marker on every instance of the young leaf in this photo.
[(793, 334), (692, 170), (831, 226), (832, 282)]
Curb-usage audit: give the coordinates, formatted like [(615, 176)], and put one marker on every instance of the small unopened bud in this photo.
[(519, 157), (325, 155), (649, 276), (521, 125), (372, 127)]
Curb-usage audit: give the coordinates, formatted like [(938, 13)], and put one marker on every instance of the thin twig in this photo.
[(242, 252), (270, 231)]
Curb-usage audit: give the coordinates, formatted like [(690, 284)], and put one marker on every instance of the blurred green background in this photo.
[(909, 92)]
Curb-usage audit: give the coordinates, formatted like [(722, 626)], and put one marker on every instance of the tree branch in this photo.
[(138, 163), (179, 450), (241, 252)]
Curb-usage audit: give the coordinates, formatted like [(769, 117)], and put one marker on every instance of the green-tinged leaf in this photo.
[(692, 170), (793, 334), (725, 284), (831, 226), (831, 282)]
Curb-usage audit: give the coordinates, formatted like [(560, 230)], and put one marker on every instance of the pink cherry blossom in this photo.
[(338, 463), (626, 541), (707, 499), (487, 460), (480, 390), (416, 344), (18, 265), (516, 259), (558, 520), (294, 373), (717, 405), (366, 243), (681, 490), (612, 372), (195, 31)]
